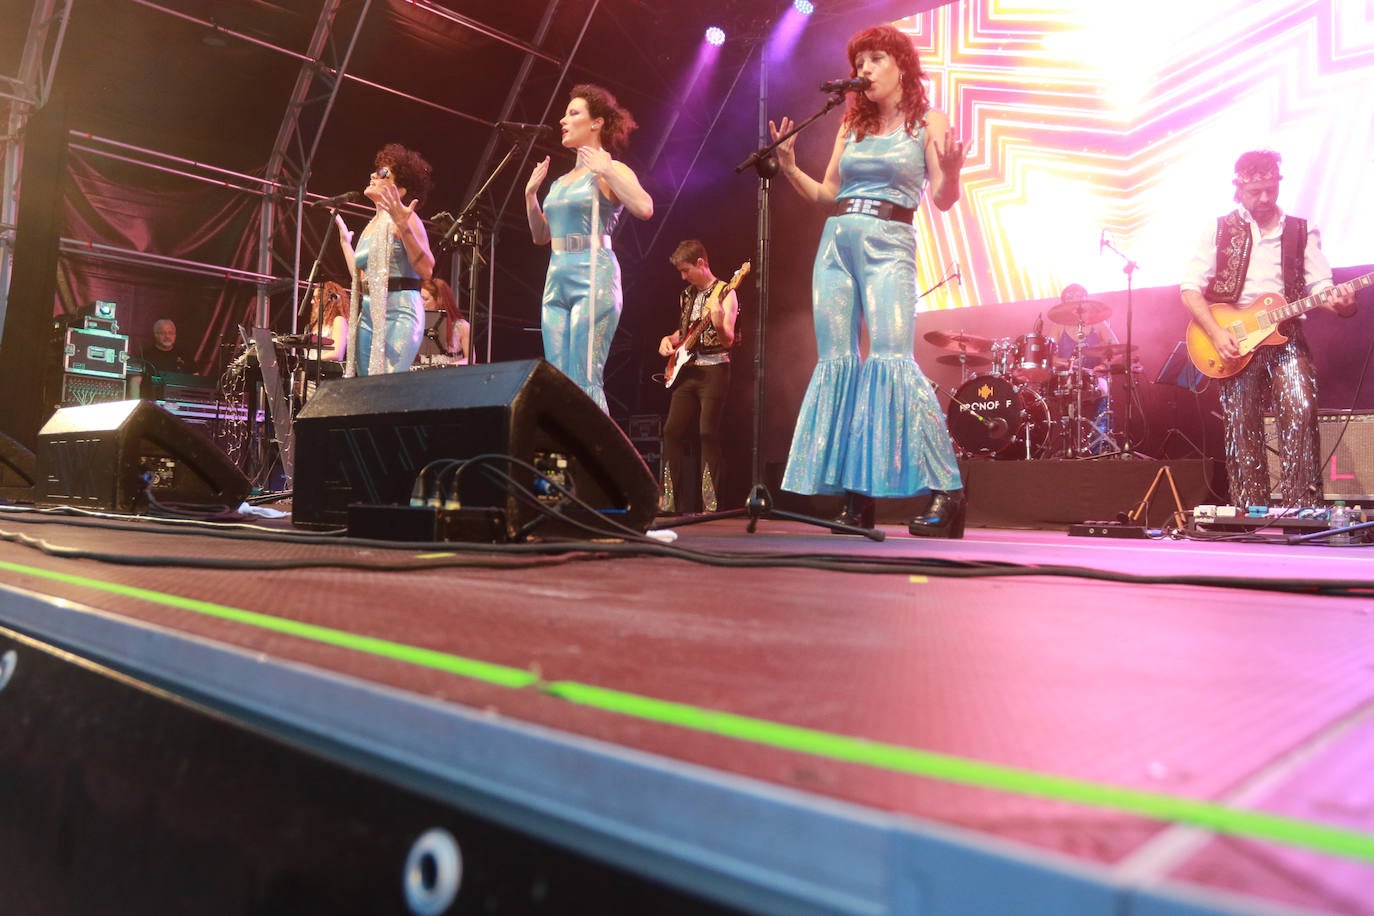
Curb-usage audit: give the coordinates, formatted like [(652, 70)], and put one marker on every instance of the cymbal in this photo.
[(1085, 311), (960, 340), (301, 341), (1117, 367), (1108, 351), (972, 360)]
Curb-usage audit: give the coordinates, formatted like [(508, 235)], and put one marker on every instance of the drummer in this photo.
[(1094, 335)]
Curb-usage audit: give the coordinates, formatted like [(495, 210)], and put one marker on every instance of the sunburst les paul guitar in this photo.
[(1255, 326), (686, 350)]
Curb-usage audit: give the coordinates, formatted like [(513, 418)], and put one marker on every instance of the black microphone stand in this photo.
[(468, 231), (318, 320), (1130, 267), (760, 501)]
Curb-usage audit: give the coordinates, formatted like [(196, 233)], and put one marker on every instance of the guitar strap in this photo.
[(687, 302)]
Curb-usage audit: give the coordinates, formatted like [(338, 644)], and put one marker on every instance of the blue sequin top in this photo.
[(889, 167)]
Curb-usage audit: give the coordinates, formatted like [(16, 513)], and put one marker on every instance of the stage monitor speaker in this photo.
[(365, 440), (18, 471), (1349, 470), (115, 455)]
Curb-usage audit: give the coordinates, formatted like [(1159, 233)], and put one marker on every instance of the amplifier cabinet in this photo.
[(1348, 472)]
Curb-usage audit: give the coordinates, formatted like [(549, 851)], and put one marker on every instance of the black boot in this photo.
[(944, 518), (857, 512)]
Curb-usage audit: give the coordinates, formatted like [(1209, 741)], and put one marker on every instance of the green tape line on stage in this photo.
[(1253, 824), (500, 675)]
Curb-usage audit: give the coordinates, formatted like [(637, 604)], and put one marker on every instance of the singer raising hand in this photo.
[(873, 428), (386, 319), (582, 301)]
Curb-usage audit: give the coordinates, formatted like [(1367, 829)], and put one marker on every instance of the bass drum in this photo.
[(991, 416)]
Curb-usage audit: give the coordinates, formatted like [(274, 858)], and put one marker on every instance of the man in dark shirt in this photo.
[(163, 356)]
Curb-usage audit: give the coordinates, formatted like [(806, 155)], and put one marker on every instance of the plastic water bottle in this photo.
[(1339, 518)]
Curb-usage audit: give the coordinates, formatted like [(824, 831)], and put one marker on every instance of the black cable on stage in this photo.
[(553, 552)]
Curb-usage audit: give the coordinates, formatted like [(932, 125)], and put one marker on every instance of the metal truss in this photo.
[(20, 94)]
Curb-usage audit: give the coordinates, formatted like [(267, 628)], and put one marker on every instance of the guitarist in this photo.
[(704, 382), (1253, 250)]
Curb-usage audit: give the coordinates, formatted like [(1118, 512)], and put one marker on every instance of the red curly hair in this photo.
[(862, 115)]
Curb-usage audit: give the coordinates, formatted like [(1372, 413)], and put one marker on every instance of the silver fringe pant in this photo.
[(1285, 373)]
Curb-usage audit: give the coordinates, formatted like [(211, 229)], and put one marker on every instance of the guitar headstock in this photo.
[(739, 275)]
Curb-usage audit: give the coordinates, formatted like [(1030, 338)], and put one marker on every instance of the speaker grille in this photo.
[(1349, 471)]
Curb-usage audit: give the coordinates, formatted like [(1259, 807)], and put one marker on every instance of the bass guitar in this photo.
[(685, 351), (1255, 326)]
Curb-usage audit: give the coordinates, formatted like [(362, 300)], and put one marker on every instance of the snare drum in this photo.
[(991, 416), (1032, 361), (1069, 382)]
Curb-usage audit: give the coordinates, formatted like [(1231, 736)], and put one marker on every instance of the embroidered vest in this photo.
[(1233, 258), (709, 342)]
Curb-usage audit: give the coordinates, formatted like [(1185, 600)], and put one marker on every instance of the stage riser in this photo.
[(118, 789), (1050, 494)]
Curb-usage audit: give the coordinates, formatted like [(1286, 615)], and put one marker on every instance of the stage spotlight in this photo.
[(805, 7), (715, 35)]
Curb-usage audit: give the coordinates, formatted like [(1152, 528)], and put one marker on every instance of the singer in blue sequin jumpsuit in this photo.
[(873, 427), (582, 302), (391, 259)]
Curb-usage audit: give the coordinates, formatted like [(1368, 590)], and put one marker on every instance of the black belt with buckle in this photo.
[(868, 206), (393, 284)]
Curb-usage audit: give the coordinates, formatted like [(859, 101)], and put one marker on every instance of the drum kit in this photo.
[(1018, 398)]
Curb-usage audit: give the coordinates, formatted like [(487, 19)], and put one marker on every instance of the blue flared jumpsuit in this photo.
[(405, 312), (566, 312), (870, 426)]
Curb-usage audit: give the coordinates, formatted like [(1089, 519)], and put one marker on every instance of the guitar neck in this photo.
[(1299, 306), (695, 333)]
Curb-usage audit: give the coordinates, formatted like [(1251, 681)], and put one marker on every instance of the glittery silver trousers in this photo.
[(1284, 375)]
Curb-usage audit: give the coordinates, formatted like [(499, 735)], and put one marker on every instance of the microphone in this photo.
[(338, 200), (854, 84), (958, 277), (515, 128), (1102, 241)]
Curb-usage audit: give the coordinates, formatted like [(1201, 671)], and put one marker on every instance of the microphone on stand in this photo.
[(1039, 324), (1102, 241), (516, 129), (338, 200), (853, 84), (958, 277)]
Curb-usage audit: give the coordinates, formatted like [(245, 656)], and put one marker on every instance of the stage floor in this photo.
[(1163, 719)]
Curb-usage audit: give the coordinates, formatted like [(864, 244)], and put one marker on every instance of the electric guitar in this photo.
[(1255, 326), (684, 353)]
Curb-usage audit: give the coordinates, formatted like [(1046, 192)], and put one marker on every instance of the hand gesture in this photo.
[(786, 151), (666, 346), (388, 198), (345, 234), (537, 176), (950, 150), (593, 159)]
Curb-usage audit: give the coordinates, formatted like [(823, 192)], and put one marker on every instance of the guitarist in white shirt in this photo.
[(1253, 251), (702, 385)]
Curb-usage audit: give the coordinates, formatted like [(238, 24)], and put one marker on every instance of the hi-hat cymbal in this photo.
[(960, 340), (1085, 311), (972, 360), (1108, 351)]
